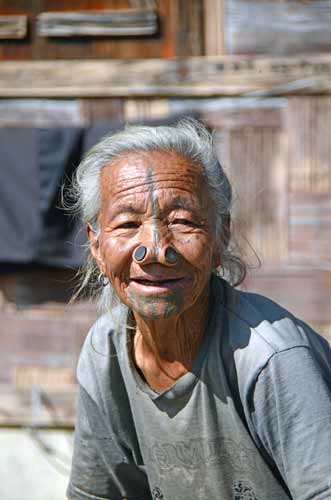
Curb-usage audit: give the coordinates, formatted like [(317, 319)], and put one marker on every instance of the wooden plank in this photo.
[(102, 109), (180, 32), (309, 120), (39, 354), (41, 113), (181, 27), (197, 76), (146, 109), (236, 113), (124, 22), (257, 168), (274, 27), (13, 27), (310, 228), (214, 27)]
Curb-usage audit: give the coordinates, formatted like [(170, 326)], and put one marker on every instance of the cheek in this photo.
[(116, 254), (196, 249)]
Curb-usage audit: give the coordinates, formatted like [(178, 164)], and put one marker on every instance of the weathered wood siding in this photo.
[(128, 30), (271, 135), (236, 76), (277, 27)]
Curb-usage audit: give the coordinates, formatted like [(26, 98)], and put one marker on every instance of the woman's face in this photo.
[(156, 200)]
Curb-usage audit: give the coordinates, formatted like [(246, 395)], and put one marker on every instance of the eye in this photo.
[(128, 225), (184, 222)]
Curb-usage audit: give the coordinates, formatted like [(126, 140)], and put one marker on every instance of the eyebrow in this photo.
[(176, 203), (181, 203), (126, 209)]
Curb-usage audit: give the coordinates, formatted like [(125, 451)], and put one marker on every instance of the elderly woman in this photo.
[(188, 388)]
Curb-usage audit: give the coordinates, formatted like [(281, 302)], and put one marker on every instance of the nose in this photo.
[(166, 255)]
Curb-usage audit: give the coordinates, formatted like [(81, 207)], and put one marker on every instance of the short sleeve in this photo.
[(102, 468), (292, 418)]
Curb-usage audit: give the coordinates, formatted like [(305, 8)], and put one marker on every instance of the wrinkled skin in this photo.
[(157, 200)]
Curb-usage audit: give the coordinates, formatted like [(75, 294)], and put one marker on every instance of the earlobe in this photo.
[(95, 248)]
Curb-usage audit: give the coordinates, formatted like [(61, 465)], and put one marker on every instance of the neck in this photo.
[(164, 349)]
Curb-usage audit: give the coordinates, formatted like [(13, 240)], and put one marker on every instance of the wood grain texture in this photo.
[(196, 76), (41, 113), (214, 27), (237, 113), (273, 27), (39, 354), (13, 27), (129, 22), (257, 168), (179, 32), (310, 229), (309, 122)]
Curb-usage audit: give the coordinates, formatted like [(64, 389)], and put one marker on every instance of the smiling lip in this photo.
[(153, 285), (160, 282)]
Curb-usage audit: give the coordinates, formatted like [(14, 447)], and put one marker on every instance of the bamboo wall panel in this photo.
[(310, 229), (309, 170), (273, 27), (309, 122), (258, 171), (275, 151)]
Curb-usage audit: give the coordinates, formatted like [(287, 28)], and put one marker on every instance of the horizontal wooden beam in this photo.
[(13, 27), (129, 22), (196, 76)]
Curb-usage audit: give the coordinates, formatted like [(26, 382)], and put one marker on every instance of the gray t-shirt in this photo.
[(251, 421)]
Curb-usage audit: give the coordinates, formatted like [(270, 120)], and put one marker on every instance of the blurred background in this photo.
[(256, 71)]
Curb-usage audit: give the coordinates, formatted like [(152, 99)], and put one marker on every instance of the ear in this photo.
[(95, 248)]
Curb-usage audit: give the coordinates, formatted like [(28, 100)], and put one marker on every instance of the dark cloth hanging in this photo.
[(62, 235), (35, 229), (20, 216)]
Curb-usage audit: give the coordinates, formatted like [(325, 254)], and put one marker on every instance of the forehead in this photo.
[(139, 173)]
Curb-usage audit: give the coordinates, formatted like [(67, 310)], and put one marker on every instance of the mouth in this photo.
[(156, 283)]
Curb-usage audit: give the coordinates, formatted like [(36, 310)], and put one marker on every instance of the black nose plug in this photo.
[(140, 253), (171, 256)]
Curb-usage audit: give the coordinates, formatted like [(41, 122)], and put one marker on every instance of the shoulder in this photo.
[(99, 354), (258, 328)]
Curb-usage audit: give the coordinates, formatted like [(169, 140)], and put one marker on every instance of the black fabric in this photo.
[(34, 228), (20, 217), (59, 153)]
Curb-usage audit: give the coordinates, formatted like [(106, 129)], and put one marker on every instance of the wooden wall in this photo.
[(173, 30), (262, 83)]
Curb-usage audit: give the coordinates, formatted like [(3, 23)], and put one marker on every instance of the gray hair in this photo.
[(190, 139)]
